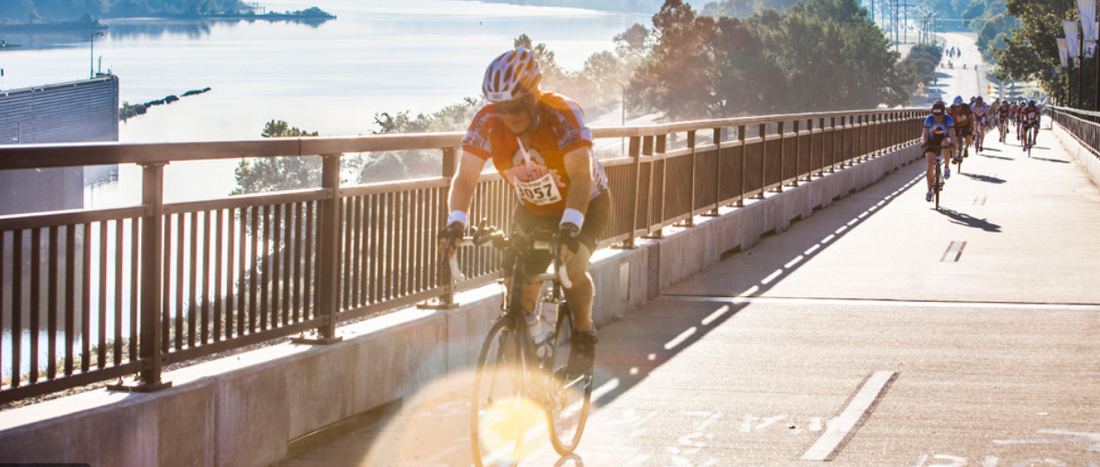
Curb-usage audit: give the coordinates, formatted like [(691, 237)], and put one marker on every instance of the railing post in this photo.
[(763, 133), (832, 144), (782, 155), (447, 299), (636, 154), (861, 137), (690, 221), (717, 134), (821, 147), (744, 165), (810, 150), (328, 262), (152, 286), (652, 152), (797, 152)]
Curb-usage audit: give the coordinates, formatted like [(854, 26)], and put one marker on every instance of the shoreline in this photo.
[(312, 14)]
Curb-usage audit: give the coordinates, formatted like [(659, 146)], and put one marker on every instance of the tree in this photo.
[(744, 8), (677, 77), (1031, 52), (817, 55), (278, 173)]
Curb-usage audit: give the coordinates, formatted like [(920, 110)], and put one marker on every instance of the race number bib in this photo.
[(539, 192)]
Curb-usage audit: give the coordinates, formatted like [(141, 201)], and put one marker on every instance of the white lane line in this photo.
[(843, 427), (881, 302)]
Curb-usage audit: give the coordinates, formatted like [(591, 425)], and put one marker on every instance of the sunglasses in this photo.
[(514, 106)]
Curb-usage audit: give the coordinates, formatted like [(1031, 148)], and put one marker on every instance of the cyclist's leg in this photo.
[(580, 296), (930, 158), (524, 220)]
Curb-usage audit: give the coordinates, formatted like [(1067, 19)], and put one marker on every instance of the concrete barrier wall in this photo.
[(245, 409), (1088, 160)]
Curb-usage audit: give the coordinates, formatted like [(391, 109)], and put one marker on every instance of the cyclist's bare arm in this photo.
[(578, 166), (463, 185), (464, 182)]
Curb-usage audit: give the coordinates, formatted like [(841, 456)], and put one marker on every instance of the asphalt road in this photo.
[(877, 332)]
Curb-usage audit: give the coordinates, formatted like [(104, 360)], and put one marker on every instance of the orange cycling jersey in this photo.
[(537, 173)]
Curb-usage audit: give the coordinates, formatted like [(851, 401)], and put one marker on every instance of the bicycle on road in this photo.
[(521, 370), (935, 145), (1029, 137)]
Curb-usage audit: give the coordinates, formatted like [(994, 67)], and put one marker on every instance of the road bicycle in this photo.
[(1029, 137), (961, 150), (521, 370), (937, 178)]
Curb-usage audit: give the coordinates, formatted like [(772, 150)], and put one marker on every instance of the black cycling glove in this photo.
[(567, 236), (453, 231)]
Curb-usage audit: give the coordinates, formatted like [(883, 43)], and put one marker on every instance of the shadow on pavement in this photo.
[(1049, 160), (985, 178), (962, 218), (650, 337), (1003, 158)]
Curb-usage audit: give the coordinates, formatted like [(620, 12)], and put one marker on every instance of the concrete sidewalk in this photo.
[(877, 332)]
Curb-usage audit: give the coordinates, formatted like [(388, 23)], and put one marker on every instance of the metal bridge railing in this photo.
[(1084, 125), (97, 295)]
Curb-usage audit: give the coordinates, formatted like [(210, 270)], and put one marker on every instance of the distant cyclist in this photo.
[(1031, 122), (981, 114), (541, 145), (1004, 118), (963, 118), (1020, 120), (938, 134)]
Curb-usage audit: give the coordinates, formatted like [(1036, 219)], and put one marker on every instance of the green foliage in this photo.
[(817, 55), (635, 6), (397, 165), (1031, 52), (744, 8), (921, 64), (278, 173)]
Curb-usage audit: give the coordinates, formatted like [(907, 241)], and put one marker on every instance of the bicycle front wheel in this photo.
[(501, 413), (937, 184), (570, 396)]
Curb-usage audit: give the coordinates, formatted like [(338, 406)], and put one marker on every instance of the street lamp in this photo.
[(91, 53)]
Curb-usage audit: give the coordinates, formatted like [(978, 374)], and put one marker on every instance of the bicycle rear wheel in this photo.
[(569, 397), (501, 413)]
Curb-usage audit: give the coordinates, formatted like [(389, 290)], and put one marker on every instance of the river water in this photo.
[(378, 56)]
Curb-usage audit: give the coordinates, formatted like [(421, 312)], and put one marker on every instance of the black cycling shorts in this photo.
[(964, 131), (596, 220)]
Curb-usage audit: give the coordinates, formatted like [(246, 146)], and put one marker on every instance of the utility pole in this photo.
[(905, 24)]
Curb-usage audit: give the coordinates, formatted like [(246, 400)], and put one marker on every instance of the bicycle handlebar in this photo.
[(485, 234)]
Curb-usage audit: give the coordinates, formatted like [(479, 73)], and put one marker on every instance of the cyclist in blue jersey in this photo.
[(939, 132)]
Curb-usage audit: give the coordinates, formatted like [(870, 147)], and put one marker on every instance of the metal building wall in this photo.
[(79, 111)]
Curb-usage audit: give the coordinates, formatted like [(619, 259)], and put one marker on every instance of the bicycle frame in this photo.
[(519, 248)]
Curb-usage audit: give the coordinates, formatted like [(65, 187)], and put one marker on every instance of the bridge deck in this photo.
[(971, 332)]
